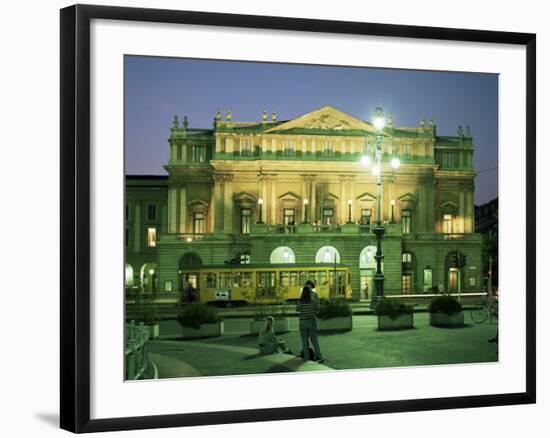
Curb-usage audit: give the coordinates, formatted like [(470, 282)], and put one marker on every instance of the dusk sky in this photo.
[(158, 88)]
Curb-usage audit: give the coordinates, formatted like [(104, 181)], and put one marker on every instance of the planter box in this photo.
[(401, 322), (205, 331), (281, 326), (153, 331), (444, 320), (338, 323)]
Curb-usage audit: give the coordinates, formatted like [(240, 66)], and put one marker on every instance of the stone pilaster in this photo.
[(228, 204), (183, 209)]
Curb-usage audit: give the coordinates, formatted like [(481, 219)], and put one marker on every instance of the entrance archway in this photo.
[(128, 275), (454, 273), (148, 277), (367, 269)]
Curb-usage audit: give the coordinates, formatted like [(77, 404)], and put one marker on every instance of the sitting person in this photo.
[(268, 342)]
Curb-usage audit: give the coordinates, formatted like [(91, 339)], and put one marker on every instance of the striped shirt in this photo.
[(307, 310)]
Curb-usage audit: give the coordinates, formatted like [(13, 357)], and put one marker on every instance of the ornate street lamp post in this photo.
[(379, 122)]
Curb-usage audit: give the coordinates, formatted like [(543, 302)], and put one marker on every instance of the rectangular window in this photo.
[(289, 148), (405, 221), (198, 223), (366, 216), (246, 220), (406, 150), (289, 216), (246, 147), (328, 148), (168, 285), (428, 276), (199, 154), (151, 237), (448, 223), (407, 257), (328, 216), (152, 212), (472, 281), (406, 284), (448, 160)]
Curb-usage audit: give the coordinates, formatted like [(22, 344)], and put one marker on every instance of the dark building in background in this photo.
[(486, 223)]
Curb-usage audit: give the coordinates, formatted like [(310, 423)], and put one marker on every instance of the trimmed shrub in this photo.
[(333, 308), (193, 315), (392, 308), (445, 304)]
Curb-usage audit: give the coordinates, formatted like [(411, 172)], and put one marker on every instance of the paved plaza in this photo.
[(236, 351)]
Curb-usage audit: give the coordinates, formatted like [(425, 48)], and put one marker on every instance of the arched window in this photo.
[(282, 254), (327, 254), (128, 275)]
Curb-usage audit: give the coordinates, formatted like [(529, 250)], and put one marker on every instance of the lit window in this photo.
[(246, 147), (246, 220), (472, 281), (289, 216), (406, 221), (328, 215), (198, 223), (151, 237), (366, 216), (151, 212), (447, 223), (406, 284), (199, 154), (168, 285), (407, 257)]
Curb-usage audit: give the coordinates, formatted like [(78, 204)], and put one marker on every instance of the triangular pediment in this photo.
[(366, 197), (244, 197), (327, 119), (407, 197)]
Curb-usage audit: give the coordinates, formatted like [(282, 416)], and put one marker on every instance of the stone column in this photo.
[(273, 201), (183, 209), (212, 209), (343, 202), (137, 229), (313, 201), (218, 203), (461, 213), (172, 209), (228, 204)]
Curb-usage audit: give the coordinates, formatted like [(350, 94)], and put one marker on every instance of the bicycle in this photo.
[(486, 309)]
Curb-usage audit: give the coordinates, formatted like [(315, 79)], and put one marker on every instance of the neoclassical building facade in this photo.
[(295, 191)]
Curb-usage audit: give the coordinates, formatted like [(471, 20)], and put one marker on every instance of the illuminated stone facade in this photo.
[(304, 178)]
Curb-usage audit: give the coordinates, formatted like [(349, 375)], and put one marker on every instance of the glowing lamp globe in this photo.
[(379, 123), (395, 163), (365, 161)]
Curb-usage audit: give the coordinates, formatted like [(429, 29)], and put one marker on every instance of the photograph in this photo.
[(290, 218)]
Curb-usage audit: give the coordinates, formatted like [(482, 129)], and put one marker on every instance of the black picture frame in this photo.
[(75, 217)]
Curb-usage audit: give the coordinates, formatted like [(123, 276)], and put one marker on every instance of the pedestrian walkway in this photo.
[(172, 363), (236, 353)]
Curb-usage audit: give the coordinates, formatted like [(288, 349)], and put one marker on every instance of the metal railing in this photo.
[(137, 350)]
